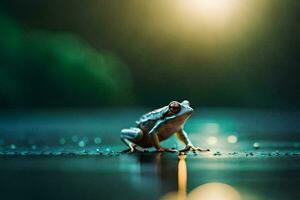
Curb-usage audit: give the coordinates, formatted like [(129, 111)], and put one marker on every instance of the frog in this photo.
[(159, 125)]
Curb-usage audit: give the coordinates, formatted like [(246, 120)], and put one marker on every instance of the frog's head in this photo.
[(181, 110)]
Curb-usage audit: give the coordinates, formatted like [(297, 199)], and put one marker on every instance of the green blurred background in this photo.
[(103, 53)]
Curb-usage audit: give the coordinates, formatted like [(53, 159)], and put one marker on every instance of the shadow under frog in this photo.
[(159, 125)]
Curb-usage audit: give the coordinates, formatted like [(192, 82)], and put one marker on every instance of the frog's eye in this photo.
[(175, 107)]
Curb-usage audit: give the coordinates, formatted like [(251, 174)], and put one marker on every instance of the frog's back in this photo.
[(148, 120)]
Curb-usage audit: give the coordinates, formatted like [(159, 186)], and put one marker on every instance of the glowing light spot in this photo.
[(256, 145), (212, 140), (12, 146), (81, 143), (214, 191), (216, 12), (232, 139), (97, 140)]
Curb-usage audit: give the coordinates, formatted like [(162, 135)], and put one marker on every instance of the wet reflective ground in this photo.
[(255, 156), (147, 176)]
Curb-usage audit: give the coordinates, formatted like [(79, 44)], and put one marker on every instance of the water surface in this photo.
[(75, 155)]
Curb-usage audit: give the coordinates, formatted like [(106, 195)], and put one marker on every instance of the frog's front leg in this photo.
[(155, 140), (183, 137)]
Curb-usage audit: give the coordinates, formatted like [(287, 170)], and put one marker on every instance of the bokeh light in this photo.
[(232, 139), (97, 140), (214, 191), (212, 140), (81, 143), (256, 145), (215, 12)]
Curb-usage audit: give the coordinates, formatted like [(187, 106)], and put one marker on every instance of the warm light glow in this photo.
[(232, 139), (212, 140), (212, 11), (214, 191), (182, 177)]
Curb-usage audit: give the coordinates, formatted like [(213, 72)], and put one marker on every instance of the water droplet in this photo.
[(84, 151), (256, 145), (217, 154), (57, 153), (249, 154)]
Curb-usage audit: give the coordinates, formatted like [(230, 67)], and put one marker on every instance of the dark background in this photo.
[(79, 54)]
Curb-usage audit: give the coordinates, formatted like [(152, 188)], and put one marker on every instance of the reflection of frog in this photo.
[(159, 125)]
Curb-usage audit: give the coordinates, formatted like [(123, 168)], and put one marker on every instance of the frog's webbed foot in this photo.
[(193, 148), (133, 148), (162, 149), (129, 150)]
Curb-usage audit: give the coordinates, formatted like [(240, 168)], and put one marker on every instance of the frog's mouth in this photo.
[(187, 111), (184, 114)]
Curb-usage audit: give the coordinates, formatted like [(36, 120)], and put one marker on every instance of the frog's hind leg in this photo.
[(130, 137)]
